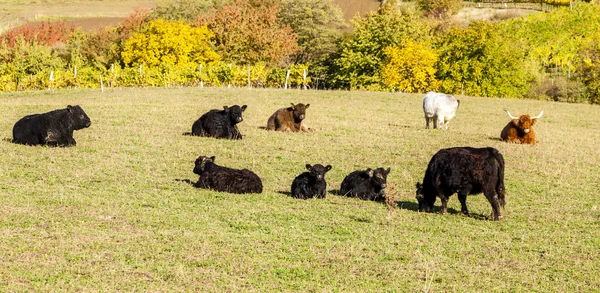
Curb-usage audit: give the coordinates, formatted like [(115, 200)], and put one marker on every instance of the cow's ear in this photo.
[(307, 105), (515, 122), (370, 172), (244, 108), (308, 166), (225, 108), (533, 121), (212, 159), (293, 106), (327, 168), (70, 108), (388, 171)]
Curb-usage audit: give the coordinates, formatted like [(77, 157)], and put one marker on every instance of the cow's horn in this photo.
[(511, 116), (538, 116)]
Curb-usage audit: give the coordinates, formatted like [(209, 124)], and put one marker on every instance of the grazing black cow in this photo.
[(463, 170), (220, 123), (54, 128), (367, 185), (215, 177), (312, 183)]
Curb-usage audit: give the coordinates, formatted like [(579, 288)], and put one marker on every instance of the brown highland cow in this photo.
[(519, 129), (289, 119)]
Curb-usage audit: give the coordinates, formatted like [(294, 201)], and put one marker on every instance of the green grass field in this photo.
[(117, 212)]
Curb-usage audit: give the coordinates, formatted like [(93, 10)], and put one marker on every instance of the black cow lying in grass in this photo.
[(312, 183), (465, 171), (54, 128), (220, 123), (367, 185), (215, 177)]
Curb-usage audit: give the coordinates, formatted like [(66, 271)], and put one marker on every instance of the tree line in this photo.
[(276, 43)]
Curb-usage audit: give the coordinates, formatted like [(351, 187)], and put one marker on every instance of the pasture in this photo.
[(118, 211)]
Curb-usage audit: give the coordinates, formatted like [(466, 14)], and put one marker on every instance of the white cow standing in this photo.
[(440, 108)]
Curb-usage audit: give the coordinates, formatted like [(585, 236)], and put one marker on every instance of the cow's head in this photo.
[(78, 118), (318, 171), (524, 122), (425, 203), (299, 111), (201, 163), (235, 113)]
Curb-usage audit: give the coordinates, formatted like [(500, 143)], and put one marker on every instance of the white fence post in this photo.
[(287, 77)]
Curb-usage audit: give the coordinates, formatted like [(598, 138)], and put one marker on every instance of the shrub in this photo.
[(410, 68)]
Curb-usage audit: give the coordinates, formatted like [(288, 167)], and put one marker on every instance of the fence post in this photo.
[(101, 83), (201, 83), (112, 73), (304, 78), (51, 80), (287, 77), (249, 84)]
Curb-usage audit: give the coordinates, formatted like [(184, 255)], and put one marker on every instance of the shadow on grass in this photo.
[(494, 138), (187, 134), (188, 181), (8, 140), (414, 206)]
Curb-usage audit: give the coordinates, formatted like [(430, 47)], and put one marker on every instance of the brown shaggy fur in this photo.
[(289, 119), (515, 130)]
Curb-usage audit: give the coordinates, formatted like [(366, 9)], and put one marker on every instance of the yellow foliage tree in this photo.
[(410, 68), (170, 43)]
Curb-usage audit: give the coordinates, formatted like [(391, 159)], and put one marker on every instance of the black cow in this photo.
[(54, 128), (312, 183), (220, 123), (366, 184), (463, 170), (215, 177)]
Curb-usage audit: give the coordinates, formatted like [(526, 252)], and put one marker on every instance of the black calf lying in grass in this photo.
[(220, 123), (215, 177), (54, 128), (311, 184), (368, 184)]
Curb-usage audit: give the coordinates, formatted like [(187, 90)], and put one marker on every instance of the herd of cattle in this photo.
[(461, 170)]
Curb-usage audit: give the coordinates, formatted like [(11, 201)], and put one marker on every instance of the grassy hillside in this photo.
[(117, 212)]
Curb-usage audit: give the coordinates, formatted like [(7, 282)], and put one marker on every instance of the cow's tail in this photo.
[(500, 190)]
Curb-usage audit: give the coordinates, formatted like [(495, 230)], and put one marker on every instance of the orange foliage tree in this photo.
[(247, 33)]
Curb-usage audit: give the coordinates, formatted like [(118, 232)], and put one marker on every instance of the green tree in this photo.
[(170, 43), (477, 61), (319, 26), (361, 55), (439, 8)]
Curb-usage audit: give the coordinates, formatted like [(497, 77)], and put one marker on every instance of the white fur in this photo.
[(440, 108)]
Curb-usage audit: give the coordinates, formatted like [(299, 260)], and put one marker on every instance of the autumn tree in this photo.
[(170, 43), (410, 68), (45, 33), (318, 24), (247, 33), (361, 56)]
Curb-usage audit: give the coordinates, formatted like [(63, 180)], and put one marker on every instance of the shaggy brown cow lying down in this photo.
[(289, 119)]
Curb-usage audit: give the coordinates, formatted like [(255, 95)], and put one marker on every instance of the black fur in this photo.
[(54, 128), (311, 184), (463, 170), (220, 123), (368, 184), (215, 177)]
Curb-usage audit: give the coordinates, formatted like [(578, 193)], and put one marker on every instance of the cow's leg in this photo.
[(435, 122), (493, 199), (440, 122), (462, 197), (444, 200), (427, 119)]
